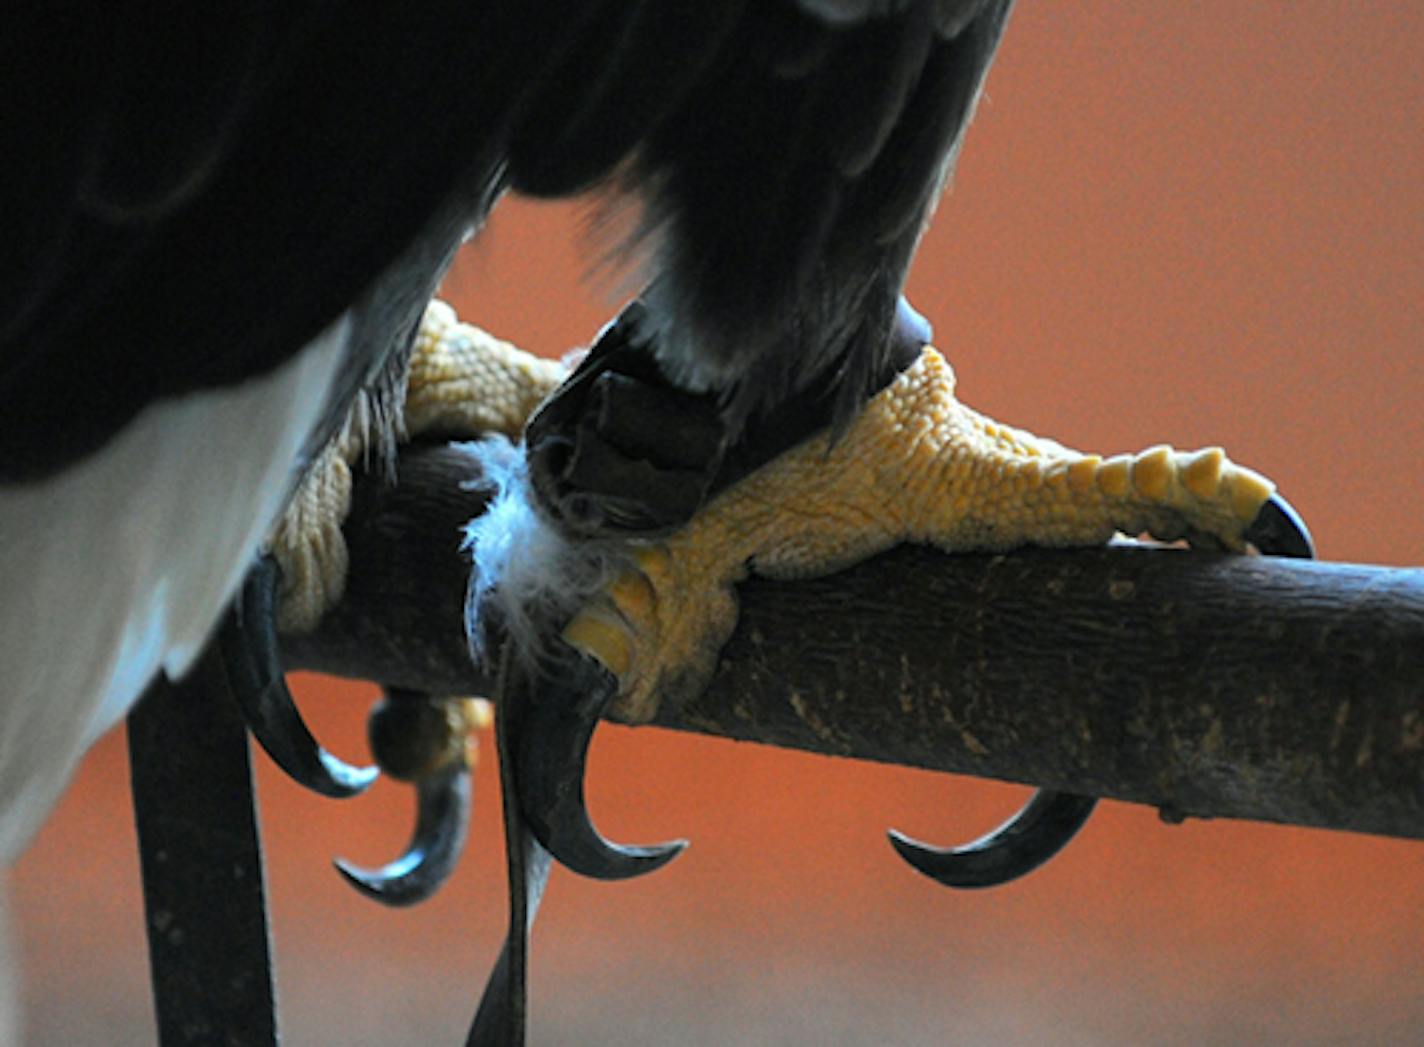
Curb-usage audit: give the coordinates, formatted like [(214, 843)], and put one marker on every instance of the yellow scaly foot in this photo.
[(916, 466)]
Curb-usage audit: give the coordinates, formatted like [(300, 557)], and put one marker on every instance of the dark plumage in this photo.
[(194, 196), (200, 193)]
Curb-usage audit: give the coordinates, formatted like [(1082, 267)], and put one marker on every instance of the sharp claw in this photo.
[(550, 736), (1278, 530), (1016, 848), (250, 650), (912, 332), (435, 847)]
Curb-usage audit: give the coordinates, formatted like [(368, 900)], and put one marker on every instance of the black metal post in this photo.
[(201, 854)]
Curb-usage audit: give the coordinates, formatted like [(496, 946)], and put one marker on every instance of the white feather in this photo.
[(527, 577), (121, 565)]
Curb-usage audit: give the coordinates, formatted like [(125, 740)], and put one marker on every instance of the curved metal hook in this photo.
[(254, 665), (549, 736), (1014, 849), (441, 826)]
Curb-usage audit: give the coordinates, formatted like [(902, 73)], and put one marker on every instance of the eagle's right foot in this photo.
[(917, 465)]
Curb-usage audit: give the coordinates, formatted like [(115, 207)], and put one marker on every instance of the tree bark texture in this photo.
[(1207, 685)]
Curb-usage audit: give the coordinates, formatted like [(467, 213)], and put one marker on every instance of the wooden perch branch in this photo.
[(1203, 684)]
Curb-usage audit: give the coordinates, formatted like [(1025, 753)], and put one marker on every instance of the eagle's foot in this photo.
[(619, 450), (661, 623), (915, 466), (461, 383), (415, 738)]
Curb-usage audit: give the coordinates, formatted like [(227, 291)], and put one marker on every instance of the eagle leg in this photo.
[(428, 741), (248, 638), (460, 383), (916, 466)]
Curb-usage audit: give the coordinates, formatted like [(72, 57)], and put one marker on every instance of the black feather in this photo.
[(896, 194), (179, 84), (871, 81), (629, 68), (190, 200)]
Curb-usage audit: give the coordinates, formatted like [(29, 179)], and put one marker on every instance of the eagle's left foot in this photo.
[(461, 383)]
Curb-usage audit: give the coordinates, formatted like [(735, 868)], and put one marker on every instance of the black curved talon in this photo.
[(1278, 530), (254, 666), (550, 736), (424, 740), (435, 847), (1014, 849)]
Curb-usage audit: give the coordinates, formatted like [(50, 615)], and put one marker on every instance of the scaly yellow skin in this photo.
[(916, 466), (465, 383)]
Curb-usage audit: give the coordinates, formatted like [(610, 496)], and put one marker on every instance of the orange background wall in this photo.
[(1196, 223)]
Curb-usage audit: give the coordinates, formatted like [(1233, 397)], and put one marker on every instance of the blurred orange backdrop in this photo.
[(1194, 223)]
